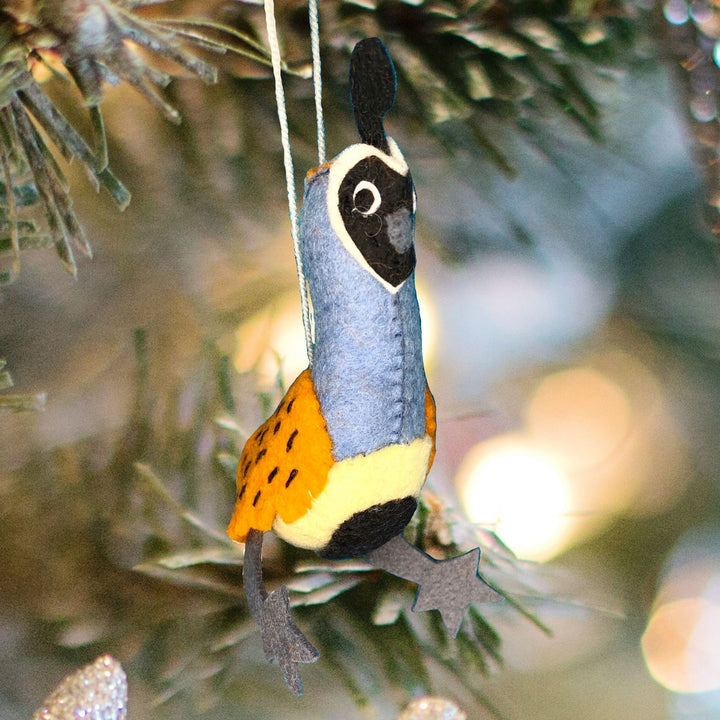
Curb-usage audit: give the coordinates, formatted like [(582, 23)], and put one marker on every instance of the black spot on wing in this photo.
[(291, 440)]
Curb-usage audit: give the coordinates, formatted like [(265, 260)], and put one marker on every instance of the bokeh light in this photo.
[(511, 486), (597, 439), (676, 12), (429, 319), (272, 342), (580, 416), (681, 645)]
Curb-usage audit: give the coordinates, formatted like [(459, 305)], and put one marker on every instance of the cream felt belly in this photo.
[(354, 485)]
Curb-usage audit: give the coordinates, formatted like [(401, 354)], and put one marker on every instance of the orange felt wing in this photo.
[(430, 422), (284, 464)]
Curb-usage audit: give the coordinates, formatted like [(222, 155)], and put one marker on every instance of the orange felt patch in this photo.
[(430, 422), (284, 464), (317, 169)]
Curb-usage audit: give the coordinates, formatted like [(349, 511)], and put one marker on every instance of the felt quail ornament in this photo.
[(339, 465)]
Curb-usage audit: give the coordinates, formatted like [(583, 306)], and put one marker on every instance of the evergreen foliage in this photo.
[(160, 582), (471, 70)]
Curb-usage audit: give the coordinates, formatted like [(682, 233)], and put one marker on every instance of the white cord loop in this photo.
[(317, 79), (289, 172)]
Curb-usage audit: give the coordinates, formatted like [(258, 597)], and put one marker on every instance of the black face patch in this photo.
[(376, 206)]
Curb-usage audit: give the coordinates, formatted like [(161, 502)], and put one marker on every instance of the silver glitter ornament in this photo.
[(432, 708), (95, 692)]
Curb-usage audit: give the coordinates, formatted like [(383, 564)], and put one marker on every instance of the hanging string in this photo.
[(317, 79), (289, 172)]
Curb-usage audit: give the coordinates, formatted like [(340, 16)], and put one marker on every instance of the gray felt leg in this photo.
[(282, 639), (446, 585)]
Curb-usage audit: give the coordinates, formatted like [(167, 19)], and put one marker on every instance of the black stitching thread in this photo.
[(246, 468), (242, 492), (260, 455), (291, 440), (291, 477), (272, 474), (276, 428), (290, 404), (257, 497)]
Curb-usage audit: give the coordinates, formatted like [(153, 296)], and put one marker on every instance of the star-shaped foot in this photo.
[(450, 586), (282, 639), (446, 585)]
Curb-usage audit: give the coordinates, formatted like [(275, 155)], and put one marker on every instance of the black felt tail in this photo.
[(372, 87)]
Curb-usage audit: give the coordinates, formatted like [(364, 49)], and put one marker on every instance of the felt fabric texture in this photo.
[(368, 529), (287, 479), (355, 484), (284, 464), (339, 466), (377, 214), (348, 162), (281, 637), (354, 438), (372, 87), (448, 585), (430, 423), (367, 371)]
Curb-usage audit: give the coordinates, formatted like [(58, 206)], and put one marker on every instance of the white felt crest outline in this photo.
[(339, 167)]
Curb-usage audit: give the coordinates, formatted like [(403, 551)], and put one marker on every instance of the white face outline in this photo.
[(346, 160)]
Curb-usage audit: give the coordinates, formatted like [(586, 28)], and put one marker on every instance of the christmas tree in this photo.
[(568, 285)]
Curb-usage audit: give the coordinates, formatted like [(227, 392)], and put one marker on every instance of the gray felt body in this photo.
[(367, 370)]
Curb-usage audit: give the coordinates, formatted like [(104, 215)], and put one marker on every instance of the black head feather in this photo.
[(372, 87)]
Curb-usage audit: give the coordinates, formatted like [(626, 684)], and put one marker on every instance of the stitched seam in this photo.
[(398, 414)]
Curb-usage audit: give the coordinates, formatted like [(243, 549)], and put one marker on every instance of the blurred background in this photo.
[(569, 287)]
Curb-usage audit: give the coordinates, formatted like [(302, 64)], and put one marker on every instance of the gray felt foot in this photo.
[(446, 585), (450, 586), (282, 639)]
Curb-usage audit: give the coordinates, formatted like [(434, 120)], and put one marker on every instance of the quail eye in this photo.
[(366, 198)]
